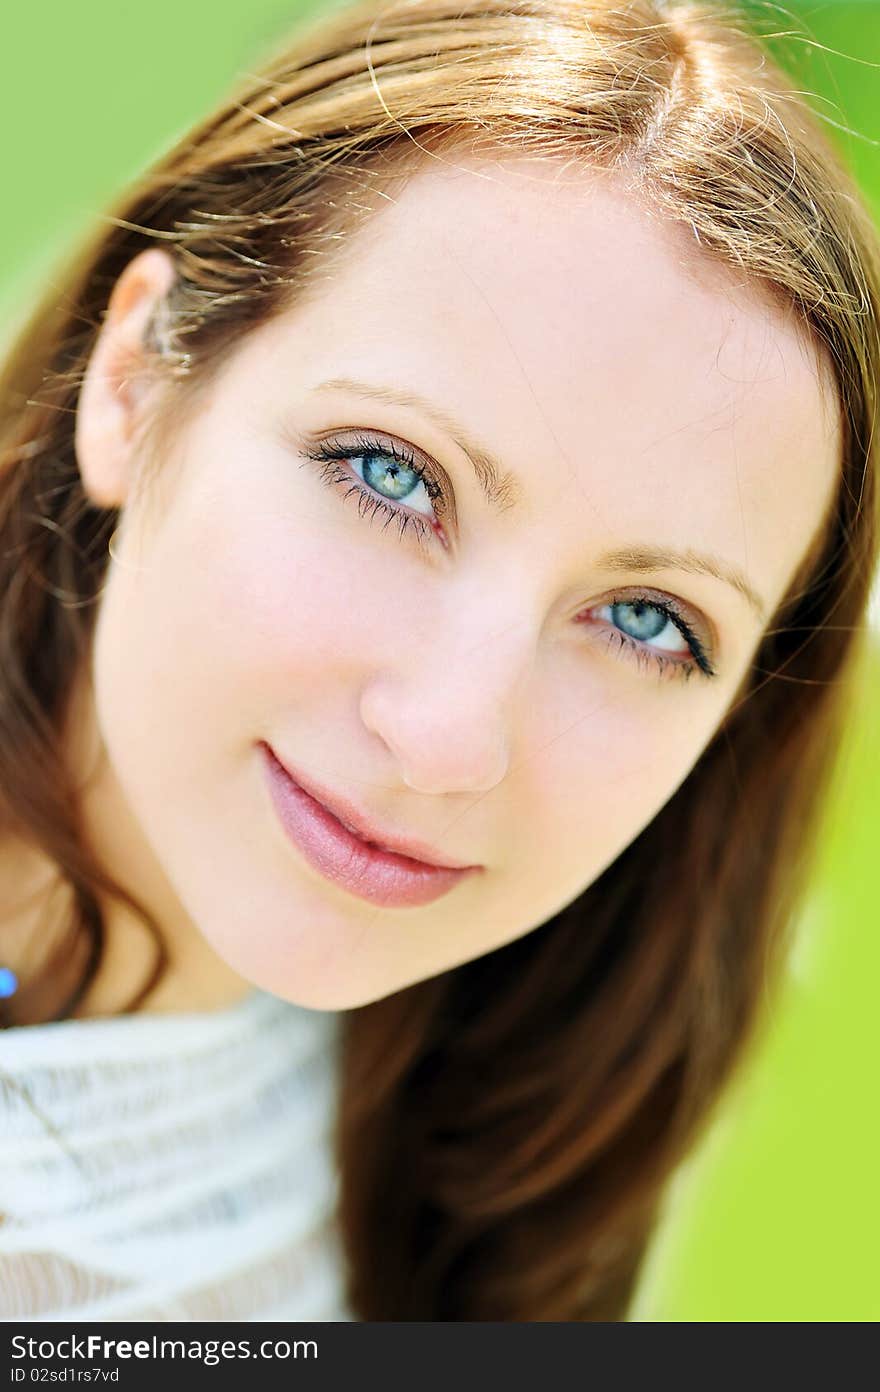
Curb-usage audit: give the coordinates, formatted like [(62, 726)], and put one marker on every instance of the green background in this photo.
[(776, 1216)]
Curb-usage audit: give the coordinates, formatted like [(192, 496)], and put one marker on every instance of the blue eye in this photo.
[(391, 473), (388, 473), (655, 618), (400, 479)]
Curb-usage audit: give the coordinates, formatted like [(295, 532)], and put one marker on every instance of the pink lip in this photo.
[(383, 870)]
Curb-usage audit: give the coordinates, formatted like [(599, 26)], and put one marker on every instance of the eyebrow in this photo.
[(648, 558), (502, 491)]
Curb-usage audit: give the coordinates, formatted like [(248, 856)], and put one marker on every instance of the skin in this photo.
[(469, 690)]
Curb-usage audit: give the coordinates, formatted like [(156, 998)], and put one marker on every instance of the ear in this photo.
[(116, 382)]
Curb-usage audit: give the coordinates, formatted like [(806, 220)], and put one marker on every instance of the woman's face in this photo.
[(509, 671)]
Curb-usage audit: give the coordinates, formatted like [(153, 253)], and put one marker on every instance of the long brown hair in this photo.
[(505, 1129)]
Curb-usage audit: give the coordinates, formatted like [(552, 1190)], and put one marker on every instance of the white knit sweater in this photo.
[(171, 1167)]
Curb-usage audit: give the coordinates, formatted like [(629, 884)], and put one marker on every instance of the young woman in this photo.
[(438, 511)]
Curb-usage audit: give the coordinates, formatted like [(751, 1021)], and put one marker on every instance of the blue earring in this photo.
[(8, 982)]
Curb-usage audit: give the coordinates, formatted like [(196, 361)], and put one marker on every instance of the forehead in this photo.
[(598, 351)]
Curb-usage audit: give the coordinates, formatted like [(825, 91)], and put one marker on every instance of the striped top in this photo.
[(171, 1167)]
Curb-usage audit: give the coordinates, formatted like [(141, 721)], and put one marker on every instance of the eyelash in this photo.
[(371, 504)]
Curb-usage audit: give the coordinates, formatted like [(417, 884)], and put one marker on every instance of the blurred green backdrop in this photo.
[(777, 1215)]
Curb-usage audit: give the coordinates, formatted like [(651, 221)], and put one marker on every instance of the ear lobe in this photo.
[(116, 382)]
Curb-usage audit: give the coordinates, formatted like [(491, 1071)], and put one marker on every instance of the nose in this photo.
[(447, 709)]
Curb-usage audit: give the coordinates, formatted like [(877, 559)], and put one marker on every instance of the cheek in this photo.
[(290, 612), (605, 778), (275, 609), (254, 594)]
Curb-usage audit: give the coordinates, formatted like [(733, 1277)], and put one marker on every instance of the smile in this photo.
[(333, 848)]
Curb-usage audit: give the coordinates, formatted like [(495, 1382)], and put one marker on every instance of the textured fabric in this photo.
[(171, 1167)]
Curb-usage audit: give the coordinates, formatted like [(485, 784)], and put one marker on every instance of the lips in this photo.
[(337, 841)]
